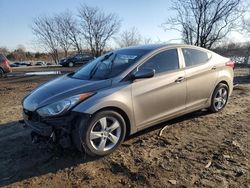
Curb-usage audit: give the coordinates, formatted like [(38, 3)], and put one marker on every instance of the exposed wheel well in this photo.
[(223, 82), (123, 114)]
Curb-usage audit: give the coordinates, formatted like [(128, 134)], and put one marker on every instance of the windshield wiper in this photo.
[(111, 68), (95, 68)]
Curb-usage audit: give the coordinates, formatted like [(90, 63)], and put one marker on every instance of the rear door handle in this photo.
[(180, 79)]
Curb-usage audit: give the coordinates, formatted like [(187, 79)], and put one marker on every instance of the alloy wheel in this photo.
[(105, 134), (71, 64), (220, 99)]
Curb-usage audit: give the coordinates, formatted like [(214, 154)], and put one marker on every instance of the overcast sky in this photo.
[(146, 15)]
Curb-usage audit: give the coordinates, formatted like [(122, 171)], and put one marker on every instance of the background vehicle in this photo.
[(13, 65), (20, 64), (127, 90), (40, 63), (4, 65), (74, 60), (26, 63)]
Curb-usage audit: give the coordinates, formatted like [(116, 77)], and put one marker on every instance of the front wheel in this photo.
[(103, 134), (219, 98)]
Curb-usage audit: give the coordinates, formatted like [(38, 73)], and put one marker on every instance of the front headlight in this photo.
[(62, 106)]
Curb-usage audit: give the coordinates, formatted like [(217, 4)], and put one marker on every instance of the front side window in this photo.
[(163, 62), (194, 57)]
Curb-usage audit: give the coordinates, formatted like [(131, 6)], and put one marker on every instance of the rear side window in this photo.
[(79, 56), (163, 62), (195, 57)]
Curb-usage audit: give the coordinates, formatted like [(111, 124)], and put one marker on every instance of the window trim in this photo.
[(183, 58)]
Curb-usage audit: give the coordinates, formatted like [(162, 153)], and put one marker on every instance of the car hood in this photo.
[(61, 88)]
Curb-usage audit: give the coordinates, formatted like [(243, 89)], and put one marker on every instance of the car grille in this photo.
[(32, 116)]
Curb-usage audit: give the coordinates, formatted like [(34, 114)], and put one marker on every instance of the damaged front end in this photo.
[(51, 129)]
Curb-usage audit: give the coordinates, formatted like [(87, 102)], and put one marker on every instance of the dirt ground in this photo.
[(198, 150)]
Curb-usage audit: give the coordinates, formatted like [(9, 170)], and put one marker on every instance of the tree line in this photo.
[(90, 29), (205, 23), (239, 51)]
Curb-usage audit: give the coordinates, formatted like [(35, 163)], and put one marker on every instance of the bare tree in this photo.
[(44, 29), (4, 50), (75, 34), (146, 40), (62, 31), (205, 22), (71, 29), (97, 27), (129, 37), (20, 53), (246, 30), (247, 52)]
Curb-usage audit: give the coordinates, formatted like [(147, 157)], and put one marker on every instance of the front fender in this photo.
[(115, 97)]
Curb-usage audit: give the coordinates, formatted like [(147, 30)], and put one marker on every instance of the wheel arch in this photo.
[(223, 82), (217, 86), (122, 113)]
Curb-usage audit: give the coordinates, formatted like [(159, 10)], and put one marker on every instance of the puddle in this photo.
[(43, 73)]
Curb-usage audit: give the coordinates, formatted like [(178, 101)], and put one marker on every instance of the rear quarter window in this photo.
[(194, 57)]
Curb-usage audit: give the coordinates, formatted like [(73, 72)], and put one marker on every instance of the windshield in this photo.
[(109, 65)]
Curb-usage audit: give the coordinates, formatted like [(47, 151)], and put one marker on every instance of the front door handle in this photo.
[(180, 79)]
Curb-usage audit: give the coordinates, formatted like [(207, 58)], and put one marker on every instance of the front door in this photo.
[(163, 95)]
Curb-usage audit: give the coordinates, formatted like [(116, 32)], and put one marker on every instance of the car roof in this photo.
[(147, 47), (152, 47)]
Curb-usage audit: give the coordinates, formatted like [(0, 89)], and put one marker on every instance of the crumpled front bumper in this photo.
[(40, 128), (46, 126)]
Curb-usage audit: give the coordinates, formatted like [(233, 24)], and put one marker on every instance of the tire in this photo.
[(219, 98), (1, 73), (71, 64), (105, 131)]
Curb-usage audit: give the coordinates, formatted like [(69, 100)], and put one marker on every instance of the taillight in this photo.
[(6, 62), (230, 64)]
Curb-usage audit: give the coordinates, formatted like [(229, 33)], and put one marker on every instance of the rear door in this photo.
[(201, 76), (156, 98)]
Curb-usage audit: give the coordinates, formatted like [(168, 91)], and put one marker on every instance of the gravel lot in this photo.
[(197, 150)]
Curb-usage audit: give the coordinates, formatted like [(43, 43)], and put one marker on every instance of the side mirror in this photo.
[(144, 73)]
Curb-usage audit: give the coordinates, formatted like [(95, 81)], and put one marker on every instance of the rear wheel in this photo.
[(1, 73), (71, 64), (103, 134), (219, 98)]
